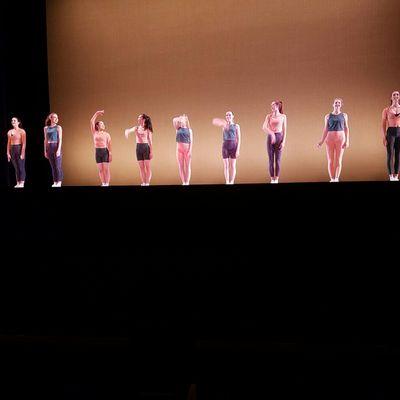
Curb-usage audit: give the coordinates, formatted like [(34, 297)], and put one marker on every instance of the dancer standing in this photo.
[(184, 144), (144, 146), (102, 144), (230, 145), (336, 134), (52, 147), (16, 145), (391, 135), (275, 126)]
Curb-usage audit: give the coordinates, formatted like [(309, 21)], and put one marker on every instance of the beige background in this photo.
[(166, 57)]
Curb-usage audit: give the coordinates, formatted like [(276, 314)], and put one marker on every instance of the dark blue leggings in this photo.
[(19, 165), (393, 150), (274, 153)]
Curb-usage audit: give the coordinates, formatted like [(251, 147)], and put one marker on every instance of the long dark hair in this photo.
[(147, 123), (280, 105), (19, 120)]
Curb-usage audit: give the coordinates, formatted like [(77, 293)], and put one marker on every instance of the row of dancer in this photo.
[(336, 135)]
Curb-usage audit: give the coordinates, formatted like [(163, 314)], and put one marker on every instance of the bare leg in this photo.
[(339, 151), (179, 158), (226, 169), (232, 168), (101, 175), (330, 153), (148, 171), (106, 173), (142, 171), (188, 161)]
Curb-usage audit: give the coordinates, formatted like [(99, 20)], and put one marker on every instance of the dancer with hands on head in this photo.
[(230, 145), (184, 144), (275, 126), (391, 135), (52, 147), (16, 145), (336, 135), (144, 146), (102, 145)]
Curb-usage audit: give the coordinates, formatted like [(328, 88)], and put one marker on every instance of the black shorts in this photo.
[(102, 155), (142, 151), (229, 148)]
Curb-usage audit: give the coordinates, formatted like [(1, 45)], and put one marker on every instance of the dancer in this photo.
[(275, 126), (144, 146), (52, 147), (336, 134), (184, 144), (391, 135), (16, 145), (230, 145), (102, 145)]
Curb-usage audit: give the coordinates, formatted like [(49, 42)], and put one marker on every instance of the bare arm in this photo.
[(93, 120), (59, 129), (384, 120), (8, 146), (45, 141), (325, 132), (129, 131), (239, 139), (346, 131), (109, 147), (284, 130), (266, 128), (191, 142), (176, 122), (219, 122), (23, 141), (150, 140)]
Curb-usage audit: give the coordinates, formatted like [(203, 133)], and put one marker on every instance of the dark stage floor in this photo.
[(216, 278)]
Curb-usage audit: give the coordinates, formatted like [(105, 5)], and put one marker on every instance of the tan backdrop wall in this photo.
[(166, 57)]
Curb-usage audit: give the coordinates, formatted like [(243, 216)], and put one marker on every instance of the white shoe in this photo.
[(58, 184), (17, 186), (54, 185), (395, 178), (391, 178)]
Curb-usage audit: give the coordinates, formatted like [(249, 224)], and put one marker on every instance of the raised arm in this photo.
[(219, 122), (128, 131), (45, 141), (23, 141), (325, 132), (346, 131), (59, 129), (384, 121), (8, 146), (176, 122), (265, 126), (93, 120)]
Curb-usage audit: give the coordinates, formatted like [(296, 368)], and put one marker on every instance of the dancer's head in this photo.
[(51, 119), (395, 97), (99, 126), (16, 122), (145, 122), (229, 116), (277, 105), (337, 103), (183, 121)]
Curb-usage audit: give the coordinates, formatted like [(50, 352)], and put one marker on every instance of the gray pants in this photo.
[(19, 165), (55, 162)]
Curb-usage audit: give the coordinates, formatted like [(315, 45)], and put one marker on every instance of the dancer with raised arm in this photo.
[(230, 145), (275, 126), (144, 146), (184, 144), (336, 135), (391, 135), (16, 145), (52, 147), (102, 145)]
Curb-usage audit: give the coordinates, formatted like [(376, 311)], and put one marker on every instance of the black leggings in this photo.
[(393, 149)]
